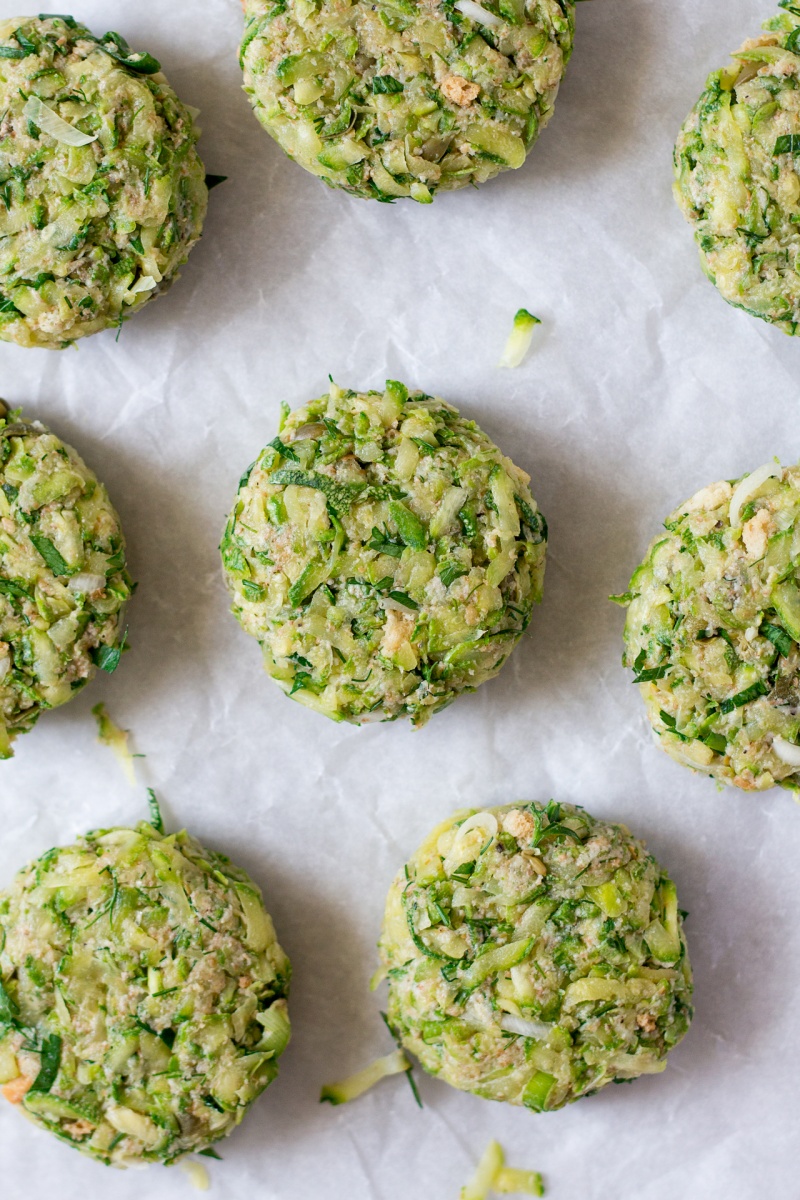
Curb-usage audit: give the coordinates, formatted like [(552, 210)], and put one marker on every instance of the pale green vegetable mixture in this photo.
[(534, 955), (400, 98), (385, 554), (736, 166), (63, 579), (142, 995), (103, 193), (713, 629)]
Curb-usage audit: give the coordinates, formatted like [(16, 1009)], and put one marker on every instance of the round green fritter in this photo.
[(103, 194), (397, 98), (385, 553), (143, 998), (534, 955), (63, 579), (713, 627), (737, 183)]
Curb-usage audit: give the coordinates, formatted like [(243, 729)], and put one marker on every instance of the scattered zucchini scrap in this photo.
[(356, 1085), (519, 340), (110, 734), (492, 1176)]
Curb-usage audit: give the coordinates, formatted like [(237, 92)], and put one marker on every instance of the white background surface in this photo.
[(643, 386)]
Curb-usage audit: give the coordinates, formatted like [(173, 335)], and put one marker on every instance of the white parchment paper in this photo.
[(643, 386)]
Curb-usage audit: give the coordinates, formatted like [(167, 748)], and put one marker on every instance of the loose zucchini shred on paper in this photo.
[(493, 1177), (486, 1171), (356, 1085), (197, 1173), (519, 340), (110, 734), (154, 810), (515, 1182)]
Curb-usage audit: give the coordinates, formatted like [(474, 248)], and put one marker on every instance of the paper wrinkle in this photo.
[(641, 387)]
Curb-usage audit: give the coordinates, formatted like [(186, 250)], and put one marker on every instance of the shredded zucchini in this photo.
[(510, 1181), (493, 1176), (486, 1172), (519, 340), (377, 978), (197, 1173), (110, 734), (356, 1085)]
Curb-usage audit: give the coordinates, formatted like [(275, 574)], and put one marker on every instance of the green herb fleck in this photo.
[(402, 598), (533, 519), (50, 554), (409, 526), (284, 450), (340, 496), (449, 572), (154, 809), (787, 143), (51, 1061), (741, 698), (8, 1009), (107, 657), (650, 673), (780, 639), (386, 85), (383, 543)]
